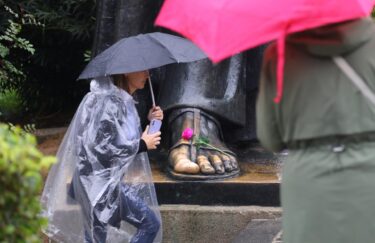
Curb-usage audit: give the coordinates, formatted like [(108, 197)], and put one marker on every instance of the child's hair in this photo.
[(121, 81)]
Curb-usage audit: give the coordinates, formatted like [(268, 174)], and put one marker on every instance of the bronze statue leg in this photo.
[(218, 89)]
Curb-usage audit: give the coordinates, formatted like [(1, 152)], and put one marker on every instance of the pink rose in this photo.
[(187, 134)]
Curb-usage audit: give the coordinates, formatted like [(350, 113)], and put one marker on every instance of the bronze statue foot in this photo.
[(191, 160)]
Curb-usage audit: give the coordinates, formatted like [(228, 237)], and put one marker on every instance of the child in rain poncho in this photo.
[(101, 189)]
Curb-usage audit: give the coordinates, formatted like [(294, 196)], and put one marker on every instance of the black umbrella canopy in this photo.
[(142, 52)]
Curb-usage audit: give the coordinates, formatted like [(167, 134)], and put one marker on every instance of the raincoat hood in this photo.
[(334, 39)]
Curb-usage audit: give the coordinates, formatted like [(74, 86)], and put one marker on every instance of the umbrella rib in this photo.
[(166, 47)]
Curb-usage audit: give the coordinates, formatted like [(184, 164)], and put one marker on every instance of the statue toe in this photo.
[(186, 166), (234, 162), (205, 165), (217, 163), (227, 163), (179, 160)]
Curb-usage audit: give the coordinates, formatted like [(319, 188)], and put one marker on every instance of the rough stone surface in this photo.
[(218, 224), (205, 224), (261, 231)]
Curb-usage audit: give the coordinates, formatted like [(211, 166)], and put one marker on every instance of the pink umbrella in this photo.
[(225, 27)]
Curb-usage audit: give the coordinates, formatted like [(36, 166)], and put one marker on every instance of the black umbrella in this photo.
[(142, 52)]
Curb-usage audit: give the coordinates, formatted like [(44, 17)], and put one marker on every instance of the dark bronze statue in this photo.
[(216, 101)]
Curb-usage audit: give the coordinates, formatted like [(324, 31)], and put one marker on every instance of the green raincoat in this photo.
[(328, 180)]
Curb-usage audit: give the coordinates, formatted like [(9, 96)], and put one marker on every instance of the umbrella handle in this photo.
[(152, 92)]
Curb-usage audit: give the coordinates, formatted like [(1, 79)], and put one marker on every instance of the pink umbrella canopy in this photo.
[(222, 28)]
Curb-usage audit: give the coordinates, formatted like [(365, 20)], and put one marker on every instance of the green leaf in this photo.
[(10, 229)]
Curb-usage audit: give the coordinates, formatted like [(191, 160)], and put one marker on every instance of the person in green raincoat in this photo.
[(328, 127)]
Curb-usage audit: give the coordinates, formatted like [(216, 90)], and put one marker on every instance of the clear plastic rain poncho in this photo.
[(101, 188)]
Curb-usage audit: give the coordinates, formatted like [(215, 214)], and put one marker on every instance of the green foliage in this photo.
[(11, 43), (10, 104), (15, 50), (60, 43), (43, 48), (30, 128), (75, 17), (200, 141), (20, 185), (87, 55)]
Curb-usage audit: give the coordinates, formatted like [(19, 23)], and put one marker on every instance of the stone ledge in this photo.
[(45, 132), (261, 231), (218, 193), (219, 224)]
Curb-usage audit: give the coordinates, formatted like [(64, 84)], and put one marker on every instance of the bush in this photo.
[(10, 105), (42, 51), (60, 44), (14, 53), (20, 185), (12, 47)]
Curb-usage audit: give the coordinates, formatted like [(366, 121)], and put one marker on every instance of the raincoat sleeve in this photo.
[(142, 146), (266, 122)]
